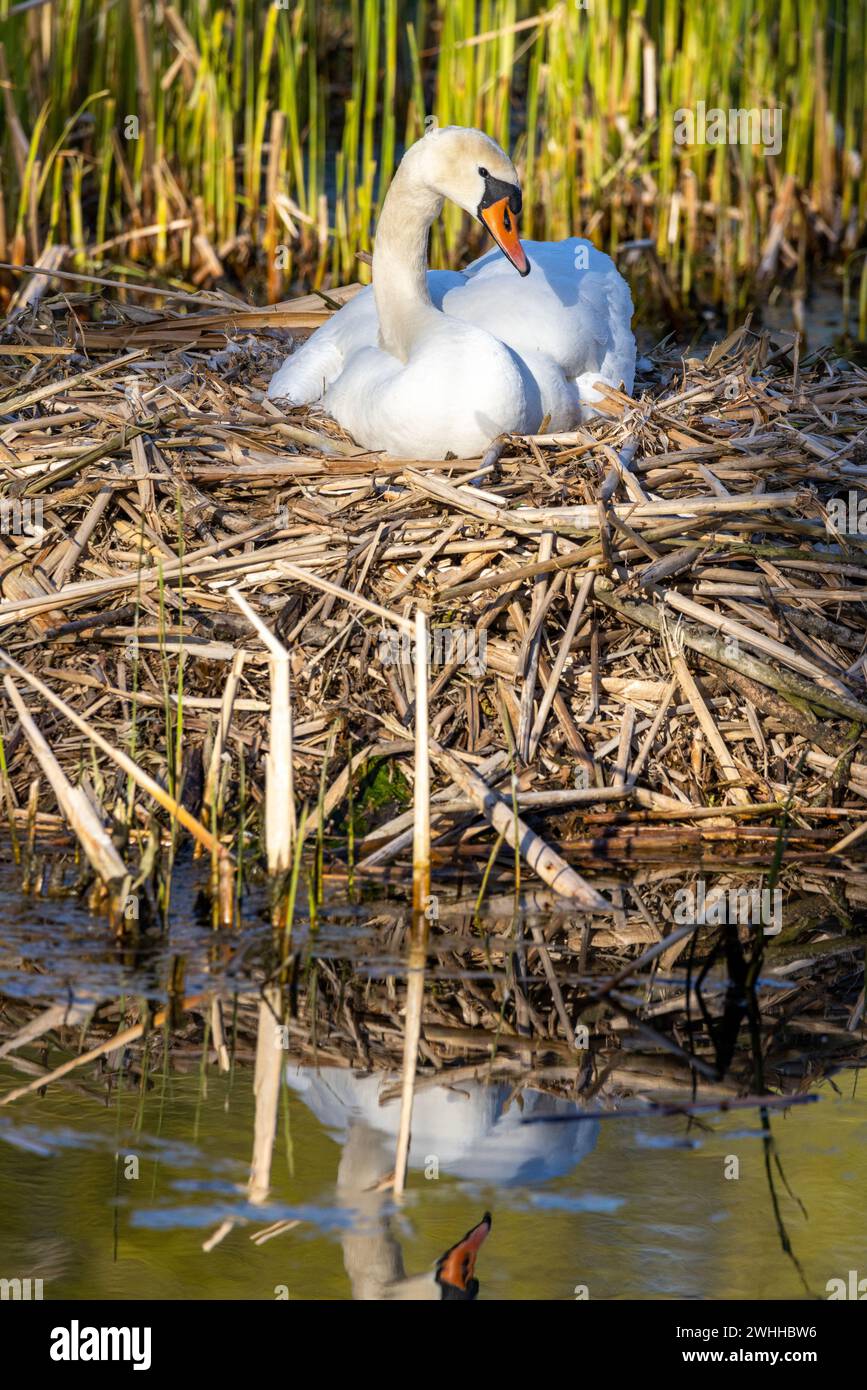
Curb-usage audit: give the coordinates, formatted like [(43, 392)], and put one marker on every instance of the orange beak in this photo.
[(457, 1266), (500, 222)]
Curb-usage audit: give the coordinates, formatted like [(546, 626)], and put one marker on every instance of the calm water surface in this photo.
[(628, 1207)]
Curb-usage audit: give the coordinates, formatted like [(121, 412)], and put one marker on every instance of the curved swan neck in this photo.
[(400, 261)]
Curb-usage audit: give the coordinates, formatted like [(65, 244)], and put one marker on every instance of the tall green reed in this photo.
[(272, 130)]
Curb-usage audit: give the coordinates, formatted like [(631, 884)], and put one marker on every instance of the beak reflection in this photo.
[(456, 1268)]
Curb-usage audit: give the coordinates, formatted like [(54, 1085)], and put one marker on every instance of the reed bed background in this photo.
[(658, 1025), (253, 143)]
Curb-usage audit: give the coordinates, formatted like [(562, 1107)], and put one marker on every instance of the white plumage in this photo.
[(426, 363), (478, 1131)]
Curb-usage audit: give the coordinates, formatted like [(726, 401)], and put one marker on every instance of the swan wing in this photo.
[(574, 308), (476, 1132)]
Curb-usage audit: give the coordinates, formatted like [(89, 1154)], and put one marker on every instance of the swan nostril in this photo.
[(507, 221)]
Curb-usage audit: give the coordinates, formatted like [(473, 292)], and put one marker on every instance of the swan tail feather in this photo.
[(617, 367)]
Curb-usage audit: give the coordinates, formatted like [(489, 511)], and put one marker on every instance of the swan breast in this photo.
[(457, 391)]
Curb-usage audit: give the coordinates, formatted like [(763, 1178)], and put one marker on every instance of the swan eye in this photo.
[(484, 173)]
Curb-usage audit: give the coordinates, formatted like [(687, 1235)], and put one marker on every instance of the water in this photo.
[(131, 1178), (821, 316), (627, 1207)]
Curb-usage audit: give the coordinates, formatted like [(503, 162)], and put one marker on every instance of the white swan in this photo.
[(422, 363), (475, 1131)]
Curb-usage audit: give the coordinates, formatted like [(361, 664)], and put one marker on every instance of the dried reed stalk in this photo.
[(420, 899), (280, 825)]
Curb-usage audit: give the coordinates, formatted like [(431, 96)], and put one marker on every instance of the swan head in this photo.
[(470, 169)]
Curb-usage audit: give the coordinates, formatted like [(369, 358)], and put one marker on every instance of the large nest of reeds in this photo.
[(647, 640), (663, 611)]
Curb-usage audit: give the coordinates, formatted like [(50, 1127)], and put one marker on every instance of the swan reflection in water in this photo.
[(474, 1131)]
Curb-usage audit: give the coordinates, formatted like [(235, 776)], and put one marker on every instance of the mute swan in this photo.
[(474, 1134), (422, 364)]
